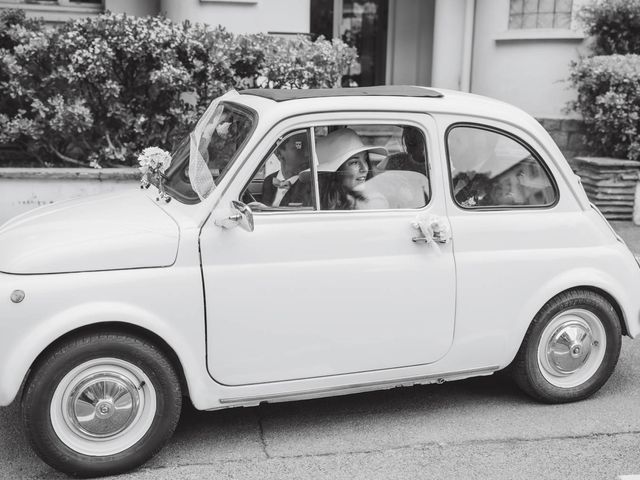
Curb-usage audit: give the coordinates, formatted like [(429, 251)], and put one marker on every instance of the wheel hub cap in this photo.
[(103, 405), (569, 347), (104, 409)]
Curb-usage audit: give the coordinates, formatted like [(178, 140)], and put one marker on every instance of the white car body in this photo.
[(418, 312)]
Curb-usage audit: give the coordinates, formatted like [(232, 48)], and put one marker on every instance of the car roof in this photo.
[(283, 95), (414, 99)]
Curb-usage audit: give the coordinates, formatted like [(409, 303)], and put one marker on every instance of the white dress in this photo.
[(398, 189)]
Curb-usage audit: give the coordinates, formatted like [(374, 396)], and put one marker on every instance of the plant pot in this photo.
[(610, 184)]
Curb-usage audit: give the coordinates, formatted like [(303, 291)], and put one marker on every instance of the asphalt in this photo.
[(630, 233), (480, 428)]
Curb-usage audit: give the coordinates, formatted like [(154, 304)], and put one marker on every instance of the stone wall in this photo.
[(610, 184), (26, 188), (568, 133)]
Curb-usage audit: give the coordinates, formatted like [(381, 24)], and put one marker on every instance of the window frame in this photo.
[(574, 33), (534, 153), (178, 168), (390, 118), (281, 138), (538, 12)]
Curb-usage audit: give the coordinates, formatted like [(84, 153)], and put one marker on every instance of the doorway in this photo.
[(394, 38)]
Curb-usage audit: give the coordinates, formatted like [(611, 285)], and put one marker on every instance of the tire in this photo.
[(101, 404), (570, 349)]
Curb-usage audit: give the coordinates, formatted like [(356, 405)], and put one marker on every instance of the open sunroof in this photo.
[(282, 95)]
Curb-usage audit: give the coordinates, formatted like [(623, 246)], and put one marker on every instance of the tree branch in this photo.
[(64, 158), (106, 134)]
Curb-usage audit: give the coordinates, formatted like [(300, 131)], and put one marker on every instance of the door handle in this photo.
[(432, 229)]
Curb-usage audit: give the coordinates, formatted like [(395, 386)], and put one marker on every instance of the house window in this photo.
[(526, 14)]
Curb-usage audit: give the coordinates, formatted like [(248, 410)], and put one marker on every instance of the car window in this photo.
[(284, 179), (491, 169), (358, 167), (223, 137), (367, 167)]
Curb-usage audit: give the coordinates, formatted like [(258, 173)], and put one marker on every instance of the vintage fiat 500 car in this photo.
[(303, 244)]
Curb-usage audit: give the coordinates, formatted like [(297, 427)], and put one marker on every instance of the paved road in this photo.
[(630, 233), (479, 428)]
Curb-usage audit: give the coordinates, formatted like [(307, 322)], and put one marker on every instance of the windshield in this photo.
[(203, 157)]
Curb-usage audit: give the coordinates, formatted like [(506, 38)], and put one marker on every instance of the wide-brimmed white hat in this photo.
[(338, 147)]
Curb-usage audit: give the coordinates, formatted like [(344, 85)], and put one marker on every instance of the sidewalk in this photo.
[(630, 233)]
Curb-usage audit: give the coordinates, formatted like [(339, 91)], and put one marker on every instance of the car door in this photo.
[(315, 293), (513, 231)]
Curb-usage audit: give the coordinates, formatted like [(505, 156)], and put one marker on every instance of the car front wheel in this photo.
[(101, 404), (570, 349)]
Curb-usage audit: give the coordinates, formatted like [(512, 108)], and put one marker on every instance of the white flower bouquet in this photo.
[(154, 161)]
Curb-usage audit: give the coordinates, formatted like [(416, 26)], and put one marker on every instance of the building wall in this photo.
[(287, 16), (137, 8), (530, 73), (448, 44), (569, 135), (51, 13), (54, 14), (410, 42), (526, 68)]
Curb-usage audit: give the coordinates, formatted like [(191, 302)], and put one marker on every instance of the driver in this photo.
[(284, 187)]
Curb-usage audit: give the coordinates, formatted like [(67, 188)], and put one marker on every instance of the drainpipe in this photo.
[(467, 45)]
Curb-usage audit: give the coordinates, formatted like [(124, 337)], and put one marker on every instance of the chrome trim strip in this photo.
[(396, 382)]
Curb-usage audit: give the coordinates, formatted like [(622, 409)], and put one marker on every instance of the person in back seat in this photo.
[(413, 158)]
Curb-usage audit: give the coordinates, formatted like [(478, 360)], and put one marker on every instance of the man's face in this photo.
[(294, 153)]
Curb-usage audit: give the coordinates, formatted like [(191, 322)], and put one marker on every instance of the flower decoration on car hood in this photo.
[(154, 161)]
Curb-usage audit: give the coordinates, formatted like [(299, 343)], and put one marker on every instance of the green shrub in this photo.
[(98, 90), (615, 25), (609, 101), (301, 63)]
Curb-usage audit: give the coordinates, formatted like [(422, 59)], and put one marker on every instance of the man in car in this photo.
[(284, 188)]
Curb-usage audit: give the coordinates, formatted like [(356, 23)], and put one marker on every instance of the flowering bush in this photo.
[(95, 91), (615, 25), (301, 63), (608, 84), (609, 100)]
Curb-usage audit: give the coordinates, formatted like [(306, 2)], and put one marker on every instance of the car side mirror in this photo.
[(241, 215)]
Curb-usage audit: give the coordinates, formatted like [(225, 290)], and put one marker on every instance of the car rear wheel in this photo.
[(570, 349), (101, 404)]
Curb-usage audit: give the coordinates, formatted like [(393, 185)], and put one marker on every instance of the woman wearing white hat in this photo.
[(343, 169)]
